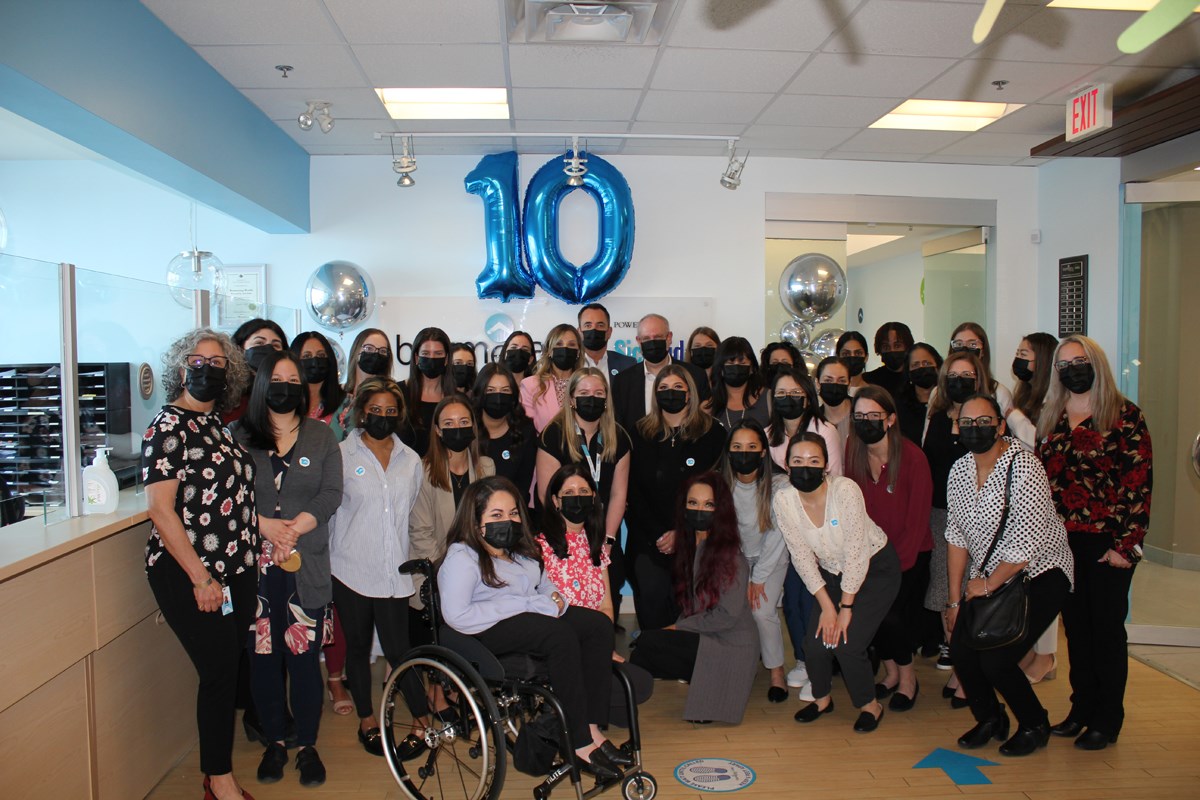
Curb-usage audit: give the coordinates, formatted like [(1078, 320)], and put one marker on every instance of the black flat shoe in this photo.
[(603, 770), (615, 754), (274, 759), (312, 771), (810, 712), (948, 691), (372, 741), (1068, 727), (902, 702), (253, 729), (777, 694), (1026, 741), (410, 747), (867, 721), (1092, 739), (699, 721), (957, 702), (882, 692), (994, 728)]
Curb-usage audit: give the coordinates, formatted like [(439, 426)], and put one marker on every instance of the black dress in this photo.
[(911, 413), (515, 454), (883, 377)]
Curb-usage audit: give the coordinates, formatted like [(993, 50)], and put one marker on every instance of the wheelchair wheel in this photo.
[(641, 786), (464, 754)]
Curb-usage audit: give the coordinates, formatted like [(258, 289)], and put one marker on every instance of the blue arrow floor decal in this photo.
[(961, 768)]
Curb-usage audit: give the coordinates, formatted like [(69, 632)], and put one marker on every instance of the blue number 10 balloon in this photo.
[(494, 179)]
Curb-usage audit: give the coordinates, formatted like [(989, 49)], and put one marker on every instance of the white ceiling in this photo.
[(800, 78)]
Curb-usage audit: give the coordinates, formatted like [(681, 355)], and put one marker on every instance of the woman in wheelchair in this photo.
[(492, 587)]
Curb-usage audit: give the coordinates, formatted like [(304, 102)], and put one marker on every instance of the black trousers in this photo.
[(360, 615), (983, 673), (871, 603), (1094, 619), (900, 628), (654, 591), (577, 648), (215, 643), (670, 655)]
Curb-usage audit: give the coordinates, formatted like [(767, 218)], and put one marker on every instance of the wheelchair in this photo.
[(483, 703)]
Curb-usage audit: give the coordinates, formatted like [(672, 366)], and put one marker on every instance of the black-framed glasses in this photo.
[(977, 422), (1074, 362), (370, 348), (196, 360), (873, 416)]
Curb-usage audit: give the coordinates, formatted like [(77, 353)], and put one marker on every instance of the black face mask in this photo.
[(977, 439), (735, 375), (960, 388), (464, 375), (672, 401), (923, 377), (499, 405), (431, 366), (457, 439), (594, 339), (856, 364), (745, 462), (834, 394), (1078, 378), (869, 430), (806, 479), (314, 370), (283, 397), (205, 383), (1020, 368), (373, 363), (789, 407), (564, 357), (590, 409), (698, 519), (703, 357), (380, 427), (894, 360), (256, 355), (575, 508), (654, 350), (501, 535), (517, 360)]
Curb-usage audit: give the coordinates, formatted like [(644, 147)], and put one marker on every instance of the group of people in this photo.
[(872, 507)]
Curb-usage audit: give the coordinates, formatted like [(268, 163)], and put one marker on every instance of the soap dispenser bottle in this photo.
[(99, 485)]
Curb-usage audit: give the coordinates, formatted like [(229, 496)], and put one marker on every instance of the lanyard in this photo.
[(593, 466)]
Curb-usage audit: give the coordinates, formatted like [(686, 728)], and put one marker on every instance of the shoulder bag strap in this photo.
[(1003, 515)]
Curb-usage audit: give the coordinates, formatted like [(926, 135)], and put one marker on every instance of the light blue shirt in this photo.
[(368, 534), (470, 606)]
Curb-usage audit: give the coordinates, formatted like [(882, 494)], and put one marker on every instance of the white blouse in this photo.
[(1033, 533), (843, 545)]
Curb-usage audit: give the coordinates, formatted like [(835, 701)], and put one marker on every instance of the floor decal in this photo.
[(714, 774)]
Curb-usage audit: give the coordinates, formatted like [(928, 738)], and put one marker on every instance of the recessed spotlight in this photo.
[(944, 115)]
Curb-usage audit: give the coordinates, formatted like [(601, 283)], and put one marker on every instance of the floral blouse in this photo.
[(1101, 482), (579, 581), (215, 500)]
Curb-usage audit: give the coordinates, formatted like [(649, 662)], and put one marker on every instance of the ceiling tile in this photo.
[(802, 109), (582, 104), (982, 161), (1013, 145), (571, 126), (731, 107), (669, 148), (1062, 35), (761, 137), (432, 64), (345, 103), (878, 140), (1046, 120), (971, 79), (458, 125), (916, 28), (1130, 84), (1178, 48), (849, 74), (756, 25), (416, 21), (703, 128), (584, 67), (377, 149), (241, 22), (851, 156), (253, 66), (725, 70), (788, 154)]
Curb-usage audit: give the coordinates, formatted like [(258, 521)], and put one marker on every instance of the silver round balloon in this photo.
[(812, 287), (825, 344), (811, 360), (340, 295), (795, 332)]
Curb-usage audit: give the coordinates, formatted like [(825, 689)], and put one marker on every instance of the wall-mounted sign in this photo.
[(1089, 111), (145, 381)]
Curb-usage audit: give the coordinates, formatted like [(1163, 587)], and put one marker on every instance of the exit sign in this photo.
[(1089, 111)]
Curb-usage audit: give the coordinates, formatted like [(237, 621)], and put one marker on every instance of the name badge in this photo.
[(833, 523), (691, 462), (360, 471), (304, 462), (226, 602), (506, 455)]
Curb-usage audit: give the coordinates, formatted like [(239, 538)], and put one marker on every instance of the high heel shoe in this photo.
[(1048, 675), (345, 705), (208, 792), (983, 732)]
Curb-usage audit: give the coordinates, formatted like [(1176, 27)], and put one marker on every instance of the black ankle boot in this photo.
[(1026, 740), (994, 728)]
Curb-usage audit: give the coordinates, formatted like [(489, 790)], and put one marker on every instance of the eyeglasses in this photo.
[(873, 416), (977, 422), (370, 348), (390, 411), (196, 360), (1074, 362), (796, 393), (963, 344), (968, 375)]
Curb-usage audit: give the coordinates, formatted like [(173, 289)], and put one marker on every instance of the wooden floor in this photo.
[(1158, 755)]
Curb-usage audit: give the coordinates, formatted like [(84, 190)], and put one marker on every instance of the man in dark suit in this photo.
[(631, 387), (595, 325)]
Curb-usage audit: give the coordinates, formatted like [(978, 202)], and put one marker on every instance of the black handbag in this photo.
[(1002, 617)]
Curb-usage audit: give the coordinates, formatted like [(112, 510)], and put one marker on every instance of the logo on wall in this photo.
[(714, 774), (533, 235)]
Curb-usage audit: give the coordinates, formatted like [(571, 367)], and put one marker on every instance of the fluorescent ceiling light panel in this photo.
[(1107, 5), (858, 242), (464, 103), (944, 115)]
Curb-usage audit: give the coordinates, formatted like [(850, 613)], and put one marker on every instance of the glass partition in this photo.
[(955, 284)]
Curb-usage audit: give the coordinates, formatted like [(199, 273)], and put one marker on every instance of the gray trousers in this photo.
[(871, 605), (766, 617)]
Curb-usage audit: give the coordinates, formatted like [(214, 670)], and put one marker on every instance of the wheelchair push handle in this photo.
[(417, 565)]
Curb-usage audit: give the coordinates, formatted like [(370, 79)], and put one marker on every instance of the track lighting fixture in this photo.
[(405, 163), (576, 165), (732, 177), (318, 112)]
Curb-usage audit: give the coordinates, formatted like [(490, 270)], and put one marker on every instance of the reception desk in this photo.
[(97, 698)]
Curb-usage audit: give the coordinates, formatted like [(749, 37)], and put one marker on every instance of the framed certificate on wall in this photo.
[(244, 295)]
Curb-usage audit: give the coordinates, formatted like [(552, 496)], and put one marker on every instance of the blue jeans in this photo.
[(797, 606)]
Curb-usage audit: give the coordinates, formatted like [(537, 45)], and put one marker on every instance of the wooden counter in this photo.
[(98, 698)]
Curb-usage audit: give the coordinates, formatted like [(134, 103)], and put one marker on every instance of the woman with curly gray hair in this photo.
[(200, 559)]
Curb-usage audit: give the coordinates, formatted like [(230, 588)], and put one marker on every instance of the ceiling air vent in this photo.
[(589, 23)]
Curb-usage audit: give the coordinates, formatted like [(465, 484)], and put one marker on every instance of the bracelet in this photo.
[(986, 592), (202, 584), (846, 606), (953, 605)]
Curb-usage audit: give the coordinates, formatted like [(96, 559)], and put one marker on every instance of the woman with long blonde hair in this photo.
[(543, 392)]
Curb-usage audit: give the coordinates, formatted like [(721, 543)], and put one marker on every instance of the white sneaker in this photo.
[(805, 694), (798, 676)]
